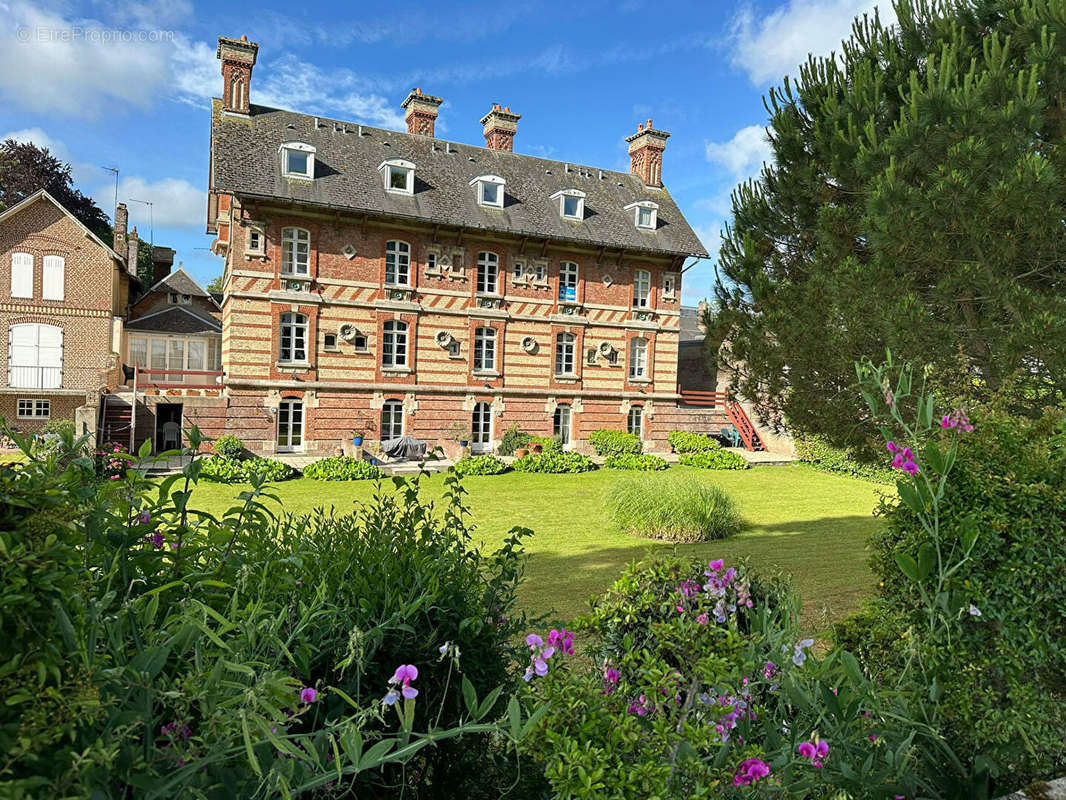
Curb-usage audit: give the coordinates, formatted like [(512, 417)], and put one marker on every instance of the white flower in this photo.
[(974, 611)]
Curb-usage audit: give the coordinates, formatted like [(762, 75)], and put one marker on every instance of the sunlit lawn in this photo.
[(809, 524)]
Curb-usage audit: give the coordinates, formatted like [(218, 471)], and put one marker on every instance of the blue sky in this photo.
[(128, 84)]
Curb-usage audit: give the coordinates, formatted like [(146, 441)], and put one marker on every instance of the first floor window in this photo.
[(21, 275), (35, 358), (290, 425), (170, 356), (397, 264), (641, 288), (484, 349), (293, 340), (394, 344), (568, 281), (34, 409), (638, 358), (564, 354), (295, 251), (487, 268), (635, 421), (391, 420), (53, 277)]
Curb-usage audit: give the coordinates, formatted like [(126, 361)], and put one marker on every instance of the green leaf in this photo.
[(248, 749), (851, 666), (910, 497), (469, 696), (376, 754), (926, 560), (489, 702), (514, 712), (907, 566)]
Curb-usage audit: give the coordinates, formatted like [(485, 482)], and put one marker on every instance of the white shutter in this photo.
[(52, 278), (50, 354), (21, 275)]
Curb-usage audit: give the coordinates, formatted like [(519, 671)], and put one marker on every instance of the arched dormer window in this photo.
[(571, 203), (490, 190), (399, 176), (297, 160)]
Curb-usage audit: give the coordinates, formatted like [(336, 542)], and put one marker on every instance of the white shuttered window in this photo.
[(21, 275), (53, 278)]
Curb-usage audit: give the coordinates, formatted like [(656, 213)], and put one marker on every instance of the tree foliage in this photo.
[(915, 201), (25, 168)]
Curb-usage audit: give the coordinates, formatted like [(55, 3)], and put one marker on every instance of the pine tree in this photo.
[(916, 201)]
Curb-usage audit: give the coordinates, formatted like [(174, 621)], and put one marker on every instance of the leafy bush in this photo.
[(342, 468), (672, 508), (714, 459), (645, 462), (615, 443), (554, 461), (549, 444), (816, 451), (480, 465), (229, 446), (685, 442), (58, 427), (223, 470), (513, 438)]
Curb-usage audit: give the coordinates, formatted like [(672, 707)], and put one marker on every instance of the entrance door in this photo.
[(562, 425), (481, 429), (290, 426), (167, 426)]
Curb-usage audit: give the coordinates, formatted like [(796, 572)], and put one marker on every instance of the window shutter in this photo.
[(21, 275), (52, 278)]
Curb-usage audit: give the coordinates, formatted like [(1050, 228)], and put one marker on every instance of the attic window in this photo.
[(399, 176), (645, 214), (297, 160), (489, 190), (571, 203)]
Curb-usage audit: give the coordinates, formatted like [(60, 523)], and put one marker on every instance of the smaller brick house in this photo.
[(63, 295)]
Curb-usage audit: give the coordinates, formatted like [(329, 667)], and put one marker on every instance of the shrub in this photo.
[(685, 442), (512, 439), (615, 443), (480, 465), (549, 444), (672, 508), (58, 427), (714, 459), (645, 462), (342, 468), (554, 461), (223, 470), (229, 446), (817, 452)]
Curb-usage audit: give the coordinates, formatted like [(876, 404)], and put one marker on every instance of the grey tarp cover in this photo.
[(406, 447)]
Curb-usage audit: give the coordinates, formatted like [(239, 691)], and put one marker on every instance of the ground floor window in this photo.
[(481, 429), (635, 422), (391, 420), (290, 426), (34, 409), (561, 424)]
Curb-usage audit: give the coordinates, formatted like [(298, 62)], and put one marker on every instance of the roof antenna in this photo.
[(115, 171)]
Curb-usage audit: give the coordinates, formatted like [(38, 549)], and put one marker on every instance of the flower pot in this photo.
[(538, 448), (338, 451), (357, 441), (521, 452), (463, 442)]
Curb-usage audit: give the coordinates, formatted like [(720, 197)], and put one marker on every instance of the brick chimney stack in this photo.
[(162, 261), (500, 126), (118, 238), (646, 154), (133, 247), (421, 116), (238, 58)]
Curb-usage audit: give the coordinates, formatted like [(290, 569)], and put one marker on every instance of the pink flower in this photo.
[(308, 695), (716, 566), (750, 772), (815, 752), (564, 640), (405, 673), (703, 619)]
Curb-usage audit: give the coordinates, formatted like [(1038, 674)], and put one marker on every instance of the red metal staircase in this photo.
[(735, 412)]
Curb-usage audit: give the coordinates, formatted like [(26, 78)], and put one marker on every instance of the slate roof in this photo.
[(173, 320), (179, 281), (690, 325), (245, 160)]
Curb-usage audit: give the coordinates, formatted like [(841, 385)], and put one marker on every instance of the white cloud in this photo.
[(774, 45), (744, 154), (176, 203)]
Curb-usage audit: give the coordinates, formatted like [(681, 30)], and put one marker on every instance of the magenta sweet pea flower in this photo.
[(405, 673), (806, 749), (308, 695), (716, 566), (750, 772)]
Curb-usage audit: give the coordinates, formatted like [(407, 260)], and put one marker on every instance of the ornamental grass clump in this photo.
[(673, 509)]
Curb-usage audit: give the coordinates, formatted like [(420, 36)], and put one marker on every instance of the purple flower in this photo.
[(533, 641), (611, 677), (798, 654), (405, 673), (770, 670), (806, 749), (815, 751), (158, 540), (957, 421), (144, 517), (308, 695), (563, 639), (750, 772), (974, 611), (703, 619)]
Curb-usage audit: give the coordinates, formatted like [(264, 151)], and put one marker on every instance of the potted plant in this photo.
[(458, 432), (521, 452), (363, 424)]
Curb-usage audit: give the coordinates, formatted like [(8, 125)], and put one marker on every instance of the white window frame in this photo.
[(563, 424), (293, 326), (24, 375), (636, 413), (285, 410), (573, 194), (481, 181), (397, 262), (252, 249), (22, 268), (565, 348), (638, 359), (53, 277), (569, 276), (394, 409), (297, 147), (669, 286), (488, 261), (391, 166), (641, 288), (647, 205), (291, 239), (33, 408), (212, 355), (330, 348), (394, 344), (485, 349)]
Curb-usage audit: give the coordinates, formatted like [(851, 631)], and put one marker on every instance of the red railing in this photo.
[(702, 399), (733, 410), (178, 378)]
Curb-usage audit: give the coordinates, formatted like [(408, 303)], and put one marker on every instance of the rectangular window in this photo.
[(296, 162), (290, 426), (645, 218), (484, 350), (295, 251), (568, 281), (359, 343), (564, 354), (490, 194), (34, 409), (487, 266), (139, 351), (398, 179), (329, 341), (635, 421), (255, 241), (638, 359), (641, 288), (572, 207), (52, 278), (397, 264), (293, 339), (35, 360), (21, 275)]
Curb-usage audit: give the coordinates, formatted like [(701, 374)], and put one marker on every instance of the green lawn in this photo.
[(805, 522)]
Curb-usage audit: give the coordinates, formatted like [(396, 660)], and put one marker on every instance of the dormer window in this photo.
[(489, 190), (645, 214), (399, 176), (298, 160), (571, 203)]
